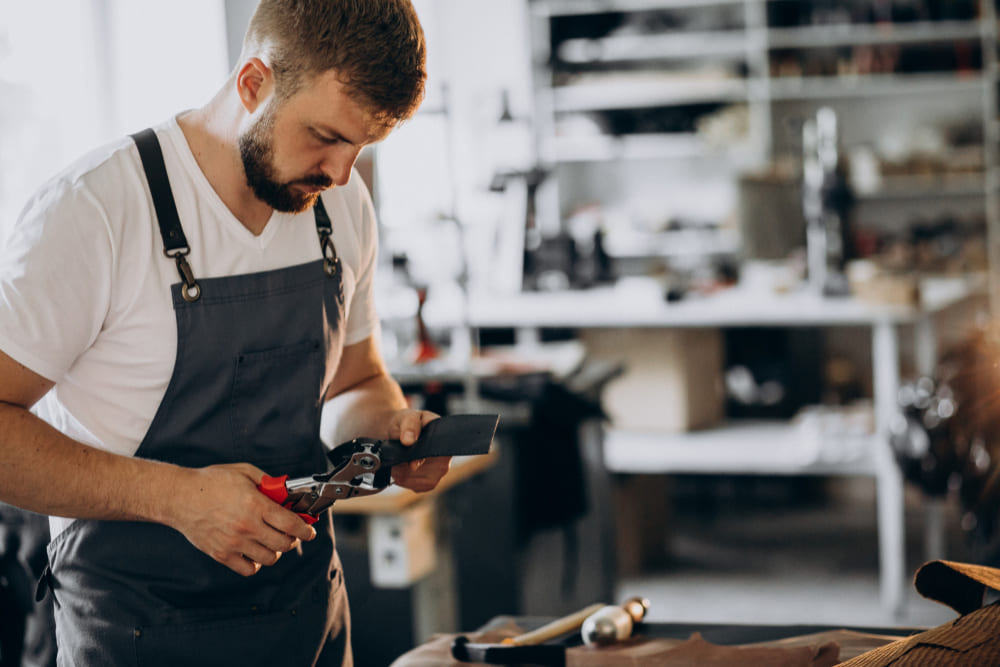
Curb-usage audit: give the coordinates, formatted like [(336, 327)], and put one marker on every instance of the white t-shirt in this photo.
[(85, 287)]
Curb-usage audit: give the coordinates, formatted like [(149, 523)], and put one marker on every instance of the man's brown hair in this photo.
[(376, 47)]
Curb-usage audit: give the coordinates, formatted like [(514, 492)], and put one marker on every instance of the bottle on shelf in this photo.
[(826, 203)]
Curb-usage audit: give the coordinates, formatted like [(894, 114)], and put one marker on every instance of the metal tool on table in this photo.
[(599, 624), (363, 466), (613, 623)]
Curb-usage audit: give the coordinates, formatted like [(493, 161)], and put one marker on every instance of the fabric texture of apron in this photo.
[(247, 386)]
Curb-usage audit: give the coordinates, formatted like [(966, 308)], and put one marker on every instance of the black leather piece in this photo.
[(159, 188), (455, 435)]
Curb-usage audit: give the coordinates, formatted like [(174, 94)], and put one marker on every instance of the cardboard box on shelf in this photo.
[(672, 380), (874, 284)]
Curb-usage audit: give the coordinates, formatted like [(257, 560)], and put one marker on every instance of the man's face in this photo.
[(298, 147)]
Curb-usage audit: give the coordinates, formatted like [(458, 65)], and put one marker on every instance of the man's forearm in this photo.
[(362, 410), (217, 508), (44, 471)]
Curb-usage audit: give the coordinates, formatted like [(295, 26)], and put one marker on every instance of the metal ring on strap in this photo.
[(191, 293), (190, 289)]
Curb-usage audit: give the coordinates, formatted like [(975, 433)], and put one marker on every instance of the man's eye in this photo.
[(325, 139)]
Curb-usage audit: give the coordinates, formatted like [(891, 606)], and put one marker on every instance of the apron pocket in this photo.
[(275, 405), (288, 637)]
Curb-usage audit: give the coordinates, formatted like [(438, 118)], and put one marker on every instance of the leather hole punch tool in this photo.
[(599, 624), (363, 466)]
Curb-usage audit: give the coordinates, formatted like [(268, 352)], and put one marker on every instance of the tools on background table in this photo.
[(599, 624), (363, 466), (613, 623), (556, 628)]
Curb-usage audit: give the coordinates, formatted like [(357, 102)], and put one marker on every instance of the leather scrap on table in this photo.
[(696, 652), (640, 651), (852, 643), (972, 639)]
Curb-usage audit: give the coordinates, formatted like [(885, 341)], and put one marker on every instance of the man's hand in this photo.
[(424, 474), (221, 512)]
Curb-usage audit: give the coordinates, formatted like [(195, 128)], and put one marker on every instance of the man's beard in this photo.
[(256, 151)]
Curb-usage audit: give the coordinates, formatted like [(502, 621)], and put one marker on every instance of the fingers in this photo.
[(287, 525), (276, 540), (285, 521), (424, 476), (247, 565), (247, 530), (406, 424), (261, 548), (409, 428), (241, 565), (261, 555)]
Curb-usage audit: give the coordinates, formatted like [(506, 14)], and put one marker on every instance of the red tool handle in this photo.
[(274, 488)]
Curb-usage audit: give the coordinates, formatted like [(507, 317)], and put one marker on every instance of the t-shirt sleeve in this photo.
[(55, 269), (362, 318)]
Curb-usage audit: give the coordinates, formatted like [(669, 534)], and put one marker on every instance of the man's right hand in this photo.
[(218, 508), (221, 512)]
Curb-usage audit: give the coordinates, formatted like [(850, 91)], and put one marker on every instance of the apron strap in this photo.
[(331, 262), (175, 245)]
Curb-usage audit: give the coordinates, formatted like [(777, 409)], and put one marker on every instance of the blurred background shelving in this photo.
[(658, 119), (645, 163), (635, 98)]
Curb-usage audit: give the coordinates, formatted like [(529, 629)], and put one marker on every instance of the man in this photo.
[(178, 358)]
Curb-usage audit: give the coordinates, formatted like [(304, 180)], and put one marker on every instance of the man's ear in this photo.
[(254, 83)]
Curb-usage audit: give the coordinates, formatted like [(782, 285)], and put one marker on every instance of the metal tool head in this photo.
[(363, 466), (355, 470)]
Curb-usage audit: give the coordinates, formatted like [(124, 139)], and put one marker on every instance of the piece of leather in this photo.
[(639, 652), (696, 652), (454, 435)]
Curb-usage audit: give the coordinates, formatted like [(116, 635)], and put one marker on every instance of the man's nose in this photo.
[(337, 166)]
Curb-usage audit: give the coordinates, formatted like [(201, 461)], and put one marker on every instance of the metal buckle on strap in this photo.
[(190, 290), (331, 262)]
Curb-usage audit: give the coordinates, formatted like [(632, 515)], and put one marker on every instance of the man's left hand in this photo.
[(424, 474)]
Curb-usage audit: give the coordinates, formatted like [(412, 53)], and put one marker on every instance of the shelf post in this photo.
[(759, 88), (888, 477)]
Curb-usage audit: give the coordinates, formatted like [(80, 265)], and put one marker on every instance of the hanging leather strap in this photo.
[(175, 245), (163, 198)]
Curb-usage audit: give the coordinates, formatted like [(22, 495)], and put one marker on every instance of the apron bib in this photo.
[(248, 385)]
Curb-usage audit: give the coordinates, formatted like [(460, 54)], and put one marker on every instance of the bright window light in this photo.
[(77, 73)]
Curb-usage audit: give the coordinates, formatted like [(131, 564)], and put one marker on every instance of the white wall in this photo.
[(439, 165), (77, 73)]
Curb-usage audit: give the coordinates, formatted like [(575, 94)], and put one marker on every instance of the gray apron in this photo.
[(247, 385)]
